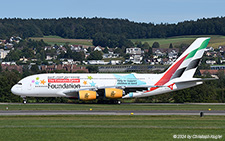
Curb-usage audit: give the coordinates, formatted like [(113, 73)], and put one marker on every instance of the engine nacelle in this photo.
[(113, 93), (87, 95)]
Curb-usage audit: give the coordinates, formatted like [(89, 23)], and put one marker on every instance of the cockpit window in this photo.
[(19, 83)]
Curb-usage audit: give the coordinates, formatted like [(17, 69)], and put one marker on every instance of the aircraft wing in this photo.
[(74, 93), (127, 88)]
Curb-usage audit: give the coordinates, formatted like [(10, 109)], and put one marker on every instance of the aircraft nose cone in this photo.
[(14, 90)]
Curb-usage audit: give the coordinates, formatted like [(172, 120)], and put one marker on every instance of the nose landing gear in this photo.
[(24, 99)]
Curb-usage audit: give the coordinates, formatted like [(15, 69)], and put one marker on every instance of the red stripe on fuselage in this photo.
[(166, 77)]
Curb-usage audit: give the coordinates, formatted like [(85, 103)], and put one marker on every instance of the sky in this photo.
[(148, 11)]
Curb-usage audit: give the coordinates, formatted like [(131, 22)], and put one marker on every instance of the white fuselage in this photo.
[(55, 85)]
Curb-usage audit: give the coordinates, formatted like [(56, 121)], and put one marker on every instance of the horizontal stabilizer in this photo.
[(196, 80)]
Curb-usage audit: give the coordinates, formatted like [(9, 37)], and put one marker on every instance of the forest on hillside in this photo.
[(90, 28)]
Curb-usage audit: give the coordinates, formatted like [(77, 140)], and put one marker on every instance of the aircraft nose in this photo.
[(14, 90)]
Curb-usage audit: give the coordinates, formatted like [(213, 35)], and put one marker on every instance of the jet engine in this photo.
[(87, 95), (113, 93)]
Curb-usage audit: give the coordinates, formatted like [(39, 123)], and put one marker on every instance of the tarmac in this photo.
[(74, 112), (111, 112)]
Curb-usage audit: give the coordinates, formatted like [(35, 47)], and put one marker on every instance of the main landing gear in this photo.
[(24, 99), (106, 101)]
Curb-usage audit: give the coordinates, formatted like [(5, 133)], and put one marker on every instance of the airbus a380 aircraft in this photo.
[(91, 86)]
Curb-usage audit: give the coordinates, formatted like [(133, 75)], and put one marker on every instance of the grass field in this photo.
[(216, 40), (102, 107), (91, 127), (61, 41)]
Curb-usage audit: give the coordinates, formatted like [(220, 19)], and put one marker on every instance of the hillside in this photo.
[(216, 40), (59, 40), (87, 28)]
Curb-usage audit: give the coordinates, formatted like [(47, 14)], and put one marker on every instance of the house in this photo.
[(8, 63), (222, 60), (34, 60), (48, 57), (173, 53), (209, 49), (136, 59), (211, 53), (48, 48), (61, 49), (8, 45), (97, 62), (78, 48), (217, 67), (15, 39), (211, 62), (24, 59), (222, 50), (130, 68), (12, 67), (211, 72), (69, 68), (134, 50), (115, 62), (98, 48), (111, 55), (159, 52), (135, 55), (3, 53), (69, 61)]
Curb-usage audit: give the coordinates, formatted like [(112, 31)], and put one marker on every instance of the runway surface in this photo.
[(73, 112)]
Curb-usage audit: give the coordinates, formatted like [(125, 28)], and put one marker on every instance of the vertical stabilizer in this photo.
[(195, 60), (187, 63)]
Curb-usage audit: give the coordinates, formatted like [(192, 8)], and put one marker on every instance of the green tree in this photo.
[(171, 45), (106, 50), (118, 50), (138, 44), (89, 49), (7, 80), (150, 52), (13, 55), (34, 69), (145, 45), (92, 69), (155, 45), (78, 56), (95, 55)]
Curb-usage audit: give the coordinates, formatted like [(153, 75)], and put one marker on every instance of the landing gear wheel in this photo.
[(24, 99)]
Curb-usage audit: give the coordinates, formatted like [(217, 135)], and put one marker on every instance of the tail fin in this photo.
[(186, 64), (195, 60)]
